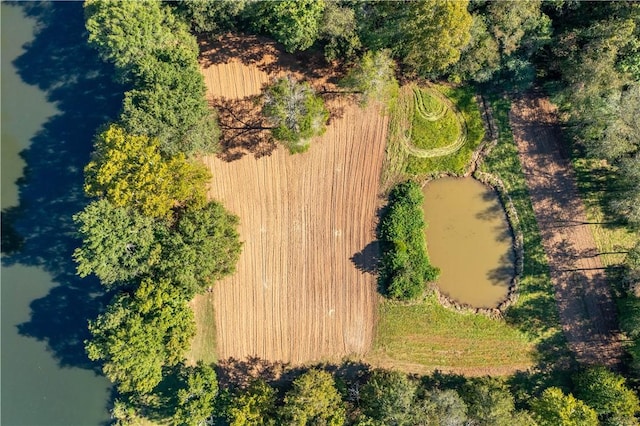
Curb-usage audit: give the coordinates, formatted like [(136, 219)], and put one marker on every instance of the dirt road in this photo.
[(587, 311)]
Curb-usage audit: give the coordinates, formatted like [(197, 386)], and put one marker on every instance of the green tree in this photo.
[(254, 406), (129, 171), (196, 395), (441, 408), (296, 113), (490, 403), (338, 30), (480, 59), (210, 16), (405, 267), (554, 408), (608, 394), (373, 77), (203, 248), (426, 35), (118, 243), (313, 399), (139, 334), (294, 23), (387, 397)]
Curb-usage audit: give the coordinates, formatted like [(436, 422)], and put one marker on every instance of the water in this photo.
[(469, 239), (55, 93)]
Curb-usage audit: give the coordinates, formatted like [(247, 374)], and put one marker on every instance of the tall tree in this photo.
[(441, 408), (490, 403), (387, 397), (373, 77), (294, 23), (196, 394), (253, 406), (338, 30), (141, 333), (129, 171), (210, 16), (555, 408), (296, 113), (313, 399), (118, 243), (203, 247), (608, 394)]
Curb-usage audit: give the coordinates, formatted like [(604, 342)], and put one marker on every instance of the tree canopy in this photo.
[(555, 408), (253, 406), (129, 171), (313, 399), (196, 394), (118, 243), (140, 333), (296, 113), (374, 77)]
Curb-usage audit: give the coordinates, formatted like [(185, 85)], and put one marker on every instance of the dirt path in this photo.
[(587, 311), (302, 291)]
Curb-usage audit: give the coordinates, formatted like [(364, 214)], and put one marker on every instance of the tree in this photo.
[(313, 400), (405, 267), (441, 408), (210, 16), (554, 408), (139, 334), (169, 105), (338, 30), (608, 395), (254, 406), (490, 403), (118, 243), (129, 171), (387, 397), (203, 248), (296, 113), (196, 395), (373, 77), (480, 59), (426, 35), (294, 23)]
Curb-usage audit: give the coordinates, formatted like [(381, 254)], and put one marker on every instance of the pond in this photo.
[(49, 79), (469, 239)]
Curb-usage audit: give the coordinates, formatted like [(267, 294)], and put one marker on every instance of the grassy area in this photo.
[(422, 336), (431, 336), (457, 162), (203, 346), (427, 132)]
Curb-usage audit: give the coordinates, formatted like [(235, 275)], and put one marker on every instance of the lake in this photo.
[(55, 93)]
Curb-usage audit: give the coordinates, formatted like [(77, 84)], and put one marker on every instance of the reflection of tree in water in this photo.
[(42, 234)]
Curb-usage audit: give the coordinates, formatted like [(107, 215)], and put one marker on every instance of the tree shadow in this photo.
[(41, 232), (368, 259)]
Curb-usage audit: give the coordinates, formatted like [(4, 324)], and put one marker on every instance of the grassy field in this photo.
[(423, 336), (434, 125), (203, 347)]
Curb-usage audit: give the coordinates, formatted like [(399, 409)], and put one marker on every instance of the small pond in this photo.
[(469, 239)]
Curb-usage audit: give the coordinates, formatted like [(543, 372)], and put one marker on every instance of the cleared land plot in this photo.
[(302, 290)]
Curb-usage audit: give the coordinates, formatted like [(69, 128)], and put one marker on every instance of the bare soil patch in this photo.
[(587, 311), (303, 289)]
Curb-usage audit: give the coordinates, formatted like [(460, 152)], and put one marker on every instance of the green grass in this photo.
[(425, 335), (203, 346), (427, 133), (457, 162)]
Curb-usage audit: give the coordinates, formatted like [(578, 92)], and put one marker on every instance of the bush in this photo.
[(405, 266)]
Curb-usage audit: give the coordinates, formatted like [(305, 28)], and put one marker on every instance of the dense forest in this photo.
[(154, 240)]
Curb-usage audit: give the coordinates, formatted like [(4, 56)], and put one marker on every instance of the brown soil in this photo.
[(303, 289), (587, 311)]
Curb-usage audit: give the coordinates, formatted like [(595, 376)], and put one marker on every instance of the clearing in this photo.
[(303, 290), (587, 311)]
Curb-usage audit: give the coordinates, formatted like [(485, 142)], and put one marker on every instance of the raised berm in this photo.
[(469, 240)]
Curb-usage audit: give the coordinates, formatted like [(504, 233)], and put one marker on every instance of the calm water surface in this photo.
[(468, 238), (46, 377)]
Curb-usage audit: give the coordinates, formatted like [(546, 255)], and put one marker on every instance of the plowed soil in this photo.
[(303, 290), (587, 311)]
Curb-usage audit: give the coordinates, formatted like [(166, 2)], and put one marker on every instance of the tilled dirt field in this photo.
[(302, 290), (587, 311)]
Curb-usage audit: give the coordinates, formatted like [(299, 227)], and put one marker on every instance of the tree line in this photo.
[(594, 396), (150, 235)]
